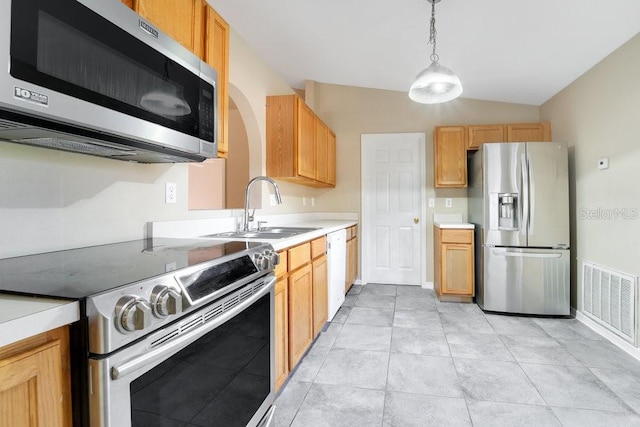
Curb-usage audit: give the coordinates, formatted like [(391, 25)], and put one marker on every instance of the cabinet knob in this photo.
[(416, 220)]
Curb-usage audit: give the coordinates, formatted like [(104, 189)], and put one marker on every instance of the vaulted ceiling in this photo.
[(503, 50)]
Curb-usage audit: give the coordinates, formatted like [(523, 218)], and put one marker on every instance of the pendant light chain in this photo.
[(432, 32), (436, 83)]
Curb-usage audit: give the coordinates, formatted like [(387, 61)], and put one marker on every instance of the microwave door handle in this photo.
[(126, 368)]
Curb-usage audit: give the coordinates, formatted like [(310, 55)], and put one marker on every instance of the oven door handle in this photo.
[(136, 363)]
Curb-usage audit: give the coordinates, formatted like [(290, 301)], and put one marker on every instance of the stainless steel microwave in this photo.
[(91, 76)]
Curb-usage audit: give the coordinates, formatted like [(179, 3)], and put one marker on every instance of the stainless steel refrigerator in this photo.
[(519, 203)]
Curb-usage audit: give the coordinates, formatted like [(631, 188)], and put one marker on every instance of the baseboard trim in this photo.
[(428, 285), (610, 336)]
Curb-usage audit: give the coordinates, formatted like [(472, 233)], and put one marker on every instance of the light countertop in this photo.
[(322, 227), (456, 225), (23, 316)]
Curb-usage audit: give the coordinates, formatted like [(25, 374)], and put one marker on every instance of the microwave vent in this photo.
[(75, 146), (8, 125)]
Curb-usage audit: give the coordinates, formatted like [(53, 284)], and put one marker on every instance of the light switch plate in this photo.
[(448, 203), (432, 202)]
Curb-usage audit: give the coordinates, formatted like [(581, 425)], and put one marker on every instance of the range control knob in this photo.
[(132, 314), (165, 301), (273, 256), (262, 262)]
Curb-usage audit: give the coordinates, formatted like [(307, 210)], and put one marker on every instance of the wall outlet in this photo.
[(432, 202), (313, 201), (448, 203), (170, 194), (304, 201)]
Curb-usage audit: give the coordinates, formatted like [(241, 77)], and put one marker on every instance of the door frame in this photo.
[(366, 217)]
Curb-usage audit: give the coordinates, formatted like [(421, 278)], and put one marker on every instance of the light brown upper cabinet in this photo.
[(322, 152), (451, 143), (197, 26), (300, 147), (331, 162), (523, 132), (183, 20), (216, 53), (478, 135), (450, 152)]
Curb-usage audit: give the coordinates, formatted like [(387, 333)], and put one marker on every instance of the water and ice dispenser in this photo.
[(508, 211), (504, 211)]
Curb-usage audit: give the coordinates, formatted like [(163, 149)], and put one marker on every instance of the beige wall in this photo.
[(599, 116), (352, 111), (52, 200)]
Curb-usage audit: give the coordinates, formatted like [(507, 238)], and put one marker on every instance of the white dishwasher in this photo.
[(336, 264)]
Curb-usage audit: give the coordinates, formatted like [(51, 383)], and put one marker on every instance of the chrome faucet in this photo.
[(249, 217)]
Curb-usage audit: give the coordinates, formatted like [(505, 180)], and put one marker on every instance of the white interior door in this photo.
[(393, 185)]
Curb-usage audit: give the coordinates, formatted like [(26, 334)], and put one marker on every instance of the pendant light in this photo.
[(436, 83)]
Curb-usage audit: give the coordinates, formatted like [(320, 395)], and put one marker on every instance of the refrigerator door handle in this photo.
[(531, 197), (525, 192), (499, 252)]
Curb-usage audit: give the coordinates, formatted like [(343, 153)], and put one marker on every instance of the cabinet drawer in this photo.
[(318, 247), (299, 255), (281, 268), (456, 236)]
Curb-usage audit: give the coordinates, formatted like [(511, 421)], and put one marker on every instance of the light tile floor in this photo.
[(396, 356)]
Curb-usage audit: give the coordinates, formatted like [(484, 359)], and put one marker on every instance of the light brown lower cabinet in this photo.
[(320, 294), (281, 332), (300, 313), (454, 264), (351, 270), (35, 381), (301, 299)]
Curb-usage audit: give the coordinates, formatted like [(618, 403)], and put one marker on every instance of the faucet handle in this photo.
[(260, 224)]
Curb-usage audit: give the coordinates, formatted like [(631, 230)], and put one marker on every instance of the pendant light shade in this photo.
[(436, 83)]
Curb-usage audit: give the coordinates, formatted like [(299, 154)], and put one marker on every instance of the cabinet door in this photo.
[(217, 55), (180, 19), (300, 313), (450, 154), (306, 142), (31, 387), (457, 269), (331, 158), (437, 262), (320, 294), (354, 260), (281, 336), (281, 135), (478, 135), (525, 132), (351, 270), (322, 152)]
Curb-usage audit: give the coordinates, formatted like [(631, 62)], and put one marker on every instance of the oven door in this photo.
[(213, 367)]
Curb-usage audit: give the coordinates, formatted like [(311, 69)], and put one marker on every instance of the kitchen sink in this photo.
[(267, 233)]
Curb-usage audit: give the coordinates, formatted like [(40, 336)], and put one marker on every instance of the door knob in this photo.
[(416, 220)]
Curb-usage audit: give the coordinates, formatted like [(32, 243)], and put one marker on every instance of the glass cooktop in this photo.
[(79, 273)]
